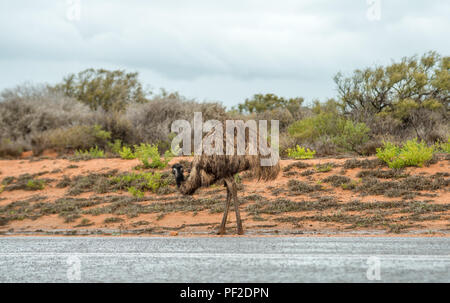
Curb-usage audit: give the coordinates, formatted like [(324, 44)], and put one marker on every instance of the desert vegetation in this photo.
[(98, 111), (376, 156)]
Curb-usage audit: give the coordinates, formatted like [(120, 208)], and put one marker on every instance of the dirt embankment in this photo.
[(310, 197)]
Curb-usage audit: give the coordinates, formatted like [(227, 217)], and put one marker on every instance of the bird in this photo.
[(209, 169)]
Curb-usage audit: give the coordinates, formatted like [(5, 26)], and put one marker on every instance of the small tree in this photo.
[(110, 90), (415, 92), (268, 102)]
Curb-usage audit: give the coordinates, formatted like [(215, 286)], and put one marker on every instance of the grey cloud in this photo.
[(186, 44)]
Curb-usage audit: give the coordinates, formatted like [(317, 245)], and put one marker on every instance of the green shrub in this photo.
[(135, 192), (412, 153), (443, 147), (92, 153), (310, 129), (127, 153), (352, 136), (35, 184), (144, 152), (110, 90), (333, 128), (115, 146), (124, 152), (300, 153), (134, 182)]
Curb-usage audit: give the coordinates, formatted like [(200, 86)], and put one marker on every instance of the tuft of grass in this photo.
[(135, 192), (92, 153), (323, 168), (99, 183), (403, 187), (127, 153), (365, 163), (296, 186), (113, 220), (35, 184), (24, 182), (337, 180), (443, 147), (137, 183), (383, 174), (282, 205), (84, 223), (298, 164)]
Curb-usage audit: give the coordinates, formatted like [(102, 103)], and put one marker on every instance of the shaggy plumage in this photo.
[(209, 169)]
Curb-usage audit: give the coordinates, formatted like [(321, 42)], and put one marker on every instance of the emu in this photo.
[(209, 169)]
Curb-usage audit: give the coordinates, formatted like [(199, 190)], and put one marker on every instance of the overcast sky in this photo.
[(217, 50)]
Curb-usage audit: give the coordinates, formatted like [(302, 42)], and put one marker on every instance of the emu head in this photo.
[(177, 171)]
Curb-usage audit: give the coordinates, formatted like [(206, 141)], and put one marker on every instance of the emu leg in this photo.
[(225, 213), (240, 230)]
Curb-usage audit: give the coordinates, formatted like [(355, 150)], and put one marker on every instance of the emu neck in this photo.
[(179, 180)]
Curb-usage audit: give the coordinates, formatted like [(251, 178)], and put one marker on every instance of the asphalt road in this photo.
[(233, 259)]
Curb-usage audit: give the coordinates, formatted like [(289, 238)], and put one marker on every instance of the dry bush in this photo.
[(151, 121), (28, 111), (117, 125), (70, 138), (9, 148)]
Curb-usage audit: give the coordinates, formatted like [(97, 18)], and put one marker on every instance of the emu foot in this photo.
[(221, 232)]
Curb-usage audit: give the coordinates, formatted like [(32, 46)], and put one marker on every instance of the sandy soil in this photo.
[(337, 220)]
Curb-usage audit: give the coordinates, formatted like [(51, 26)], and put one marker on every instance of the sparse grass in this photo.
[(113, 220), (290, 174), (25, 182), (254, 197), (403, 187), (307, 172), (337, 180), (323, 168), (383, 174), (96, 182), (298, 164), (140, 223), (92, 153), (443, 147), (365, 163), (35, 184), (140, 182), (135, 192), (299, 187), (84, 223), (281, 205)]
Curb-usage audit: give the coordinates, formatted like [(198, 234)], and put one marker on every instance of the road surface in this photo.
[(225, 259)]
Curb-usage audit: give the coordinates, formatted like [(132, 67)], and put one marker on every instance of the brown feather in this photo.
[(208, 169)]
